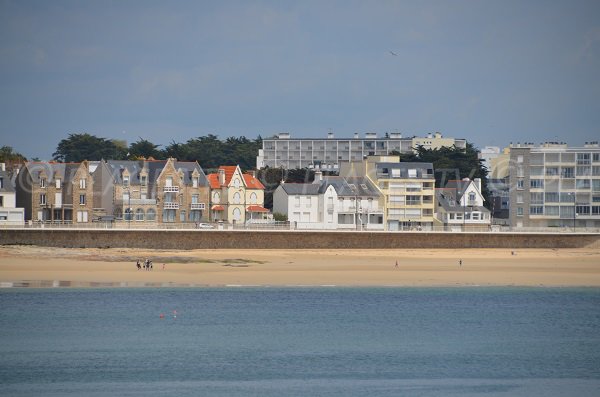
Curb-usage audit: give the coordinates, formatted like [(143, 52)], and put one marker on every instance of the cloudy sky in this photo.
[(488, 71)]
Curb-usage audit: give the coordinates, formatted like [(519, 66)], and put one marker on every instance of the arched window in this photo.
[(128, 214), (216, 197), (139, 214), (151, 214), (237, 198), (471, 196), (237, 214), (236, 183), (253, 198)]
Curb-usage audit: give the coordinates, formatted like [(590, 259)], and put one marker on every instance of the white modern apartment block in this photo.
[(554, 185), (328, 154), (331, 203), (9, 213)]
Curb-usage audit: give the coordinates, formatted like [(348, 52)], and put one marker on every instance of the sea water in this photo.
[(300, 342)]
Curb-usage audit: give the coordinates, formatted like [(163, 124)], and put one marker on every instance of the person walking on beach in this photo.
[(396, 265), (139, 267), (164, 266), (460, 262)]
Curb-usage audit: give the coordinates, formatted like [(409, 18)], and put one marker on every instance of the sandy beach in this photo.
[(30, 266)]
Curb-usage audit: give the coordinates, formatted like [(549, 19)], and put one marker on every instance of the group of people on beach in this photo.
[(147, 264)]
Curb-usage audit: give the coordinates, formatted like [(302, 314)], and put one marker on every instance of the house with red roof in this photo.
[(236, 197)]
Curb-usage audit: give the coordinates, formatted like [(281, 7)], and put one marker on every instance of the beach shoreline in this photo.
[(45, 267)]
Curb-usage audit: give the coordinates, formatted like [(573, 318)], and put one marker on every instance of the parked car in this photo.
[(204, 226)]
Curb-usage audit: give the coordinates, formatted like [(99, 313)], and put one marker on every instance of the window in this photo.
[(151, 214), (596, 185), (82, 183), (143, 180), (520, 184), (582, 209), (519, 198), (139, 215), (582, 184), (596, 157), (536, 210), (552, 210), (82, 199), (551, 171), (536, 198), (395, 173), (82, 216), (195, 198), (237, 198), (413, 200), (536, 183), (472, 197), (236, 183), (57, 183), (596, 210), (475, 216), (520, 158), (412, 173), (583, 158), (43, 199), (568, 197), (1, 201), (520, 172), (237, 214), (584, 171), (519, 211), (42, 182), (195, 182), (254, 199), (168, 215), (552, 197), (568, 172), (596, 171), (182, 216), (216, 197), (169, 181), (296, 201)]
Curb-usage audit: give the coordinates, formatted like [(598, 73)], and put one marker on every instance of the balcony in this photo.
[(142, 201), (197, 206), (170, 205), (168, 189)]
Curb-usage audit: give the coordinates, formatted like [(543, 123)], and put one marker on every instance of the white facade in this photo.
[(320, 206), (9, 213)]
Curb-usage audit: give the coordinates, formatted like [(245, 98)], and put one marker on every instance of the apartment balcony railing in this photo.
[(168, 189), (197, 206), (141, 202), (170, 206)]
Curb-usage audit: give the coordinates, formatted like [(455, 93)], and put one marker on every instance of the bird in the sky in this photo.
[(393, 53)]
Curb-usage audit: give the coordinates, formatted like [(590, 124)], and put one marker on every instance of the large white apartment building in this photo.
[(554, 185), (328, 154)]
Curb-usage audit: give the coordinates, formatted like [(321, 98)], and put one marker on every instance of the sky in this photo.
[(492, 72)]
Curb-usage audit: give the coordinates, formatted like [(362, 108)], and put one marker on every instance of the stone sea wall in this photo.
[(230, 239)]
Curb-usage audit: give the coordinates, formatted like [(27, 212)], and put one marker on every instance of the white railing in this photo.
[(197, 206), (170, 206), (167, 189)]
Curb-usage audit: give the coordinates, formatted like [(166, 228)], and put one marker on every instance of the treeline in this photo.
[(209, 150)]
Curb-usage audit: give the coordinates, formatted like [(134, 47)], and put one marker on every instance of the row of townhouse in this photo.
[(149, 191), (10, 214), (382, 193)]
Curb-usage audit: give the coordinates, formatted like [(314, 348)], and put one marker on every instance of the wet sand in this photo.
[(31, 266)]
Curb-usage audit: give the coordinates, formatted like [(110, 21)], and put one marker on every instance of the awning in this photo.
[(256, 208), (217, 208)]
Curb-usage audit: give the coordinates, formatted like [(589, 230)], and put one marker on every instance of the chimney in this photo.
[(356, 135), (221, 176), (252, 173), (478, 183), (330, 135), (318, 177)]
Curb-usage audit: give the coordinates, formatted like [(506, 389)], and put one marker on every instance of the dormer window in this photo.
[(126, 180), (143, 180), (194, 181), (82, 183), (43, 182), (57, 181), (169, 181)]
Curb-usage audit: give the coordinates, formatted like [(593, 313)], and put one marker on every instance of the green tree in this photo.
[(11, 158), (79, 147), (146, 149)]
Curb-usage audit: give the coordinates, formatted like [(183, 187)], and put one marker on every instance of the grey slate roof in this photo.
[(424, 170), (300, 188), (154, 168), (64, 171), (447, 199), (350, 187)]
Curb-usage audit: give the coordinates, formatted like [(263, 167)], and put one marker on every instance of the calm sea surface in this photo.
[(300, 342)]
